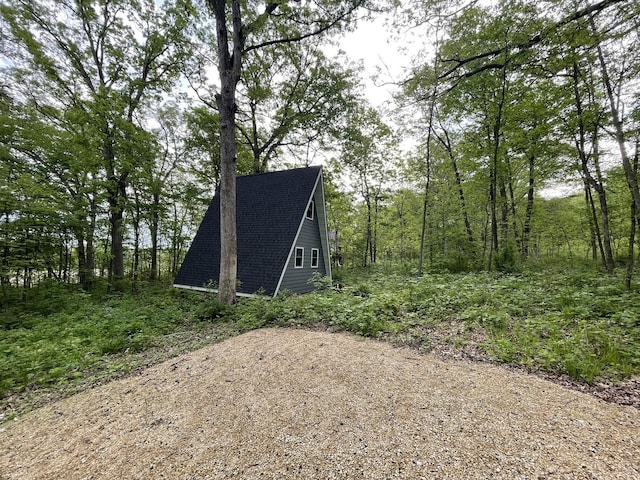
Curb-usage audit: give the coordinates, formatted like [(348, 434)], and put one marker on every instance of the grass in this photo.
[(581, 324)]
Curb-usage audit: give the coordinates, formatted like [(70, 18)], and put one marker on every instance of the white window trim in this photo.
[(310, 209), (295, 258), (317, 262)]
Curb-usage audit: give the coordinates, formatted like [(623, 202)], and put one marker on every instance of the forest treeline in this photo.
[(110, 133)]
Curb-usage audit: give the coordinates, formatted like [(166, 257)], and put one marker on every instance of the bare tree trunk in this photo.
[(427, 184), (594, 221), (526, 228), (630, 252), (116, 264), (604, 216), (596, 183), (493, 219), (136, 241), (494, 174), (512, 204), (374, 236), (116, 190), (423, 230), (446, 143), (82, 258), (368, 254), (153, 227), (90, 251), (632, 229), (229, 67)]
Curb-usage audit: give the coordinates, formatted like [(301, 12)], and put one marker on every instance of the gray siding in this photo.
[(296, 279)]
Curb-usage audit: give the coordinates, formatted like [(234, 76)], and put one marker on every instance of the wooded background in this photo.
[(110, 133)]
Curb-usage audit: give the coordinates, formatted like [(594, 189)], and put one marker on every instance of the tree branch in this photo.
[(321, 29), (584, 12)]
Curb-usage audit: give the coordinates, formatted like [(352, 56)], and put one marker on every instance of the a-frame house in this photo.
[(282, 236)]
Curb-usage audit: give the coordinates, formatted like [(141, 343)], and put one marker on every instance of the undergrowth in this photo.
[(582, 324)]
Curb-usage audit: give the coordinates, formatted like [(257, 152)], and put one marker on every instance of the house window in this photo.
[(299, 260), (310, 211), (315, 255)]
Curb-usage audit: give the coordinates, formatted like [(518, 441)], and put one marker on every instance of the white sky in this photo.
[(385, 58)]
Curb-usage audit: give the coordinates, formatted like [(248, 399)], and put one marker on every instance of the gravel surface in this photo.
[(279, 403)]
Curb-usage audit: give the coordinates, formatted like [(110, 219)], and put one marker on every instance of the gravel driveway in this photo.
[(278, 403)]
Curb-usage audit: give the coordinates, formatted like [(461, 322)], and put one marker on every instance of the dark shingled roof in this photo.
[(270, 208)]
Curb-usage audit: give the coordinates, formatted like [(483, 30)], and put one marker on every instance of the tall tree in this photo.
[(238, 22), (367, 148), (100, 64), (292, 96)]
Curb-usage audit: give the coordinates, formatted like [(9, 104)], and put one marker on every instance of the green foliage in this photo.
[(579, 323), (507, 259), (210, 308), (64, 338), (575, 323)]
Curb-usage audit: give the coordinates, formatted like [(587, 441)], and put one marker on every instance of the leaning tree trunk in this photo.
[(604, 216), (593, 221), (463, 204), (630, 174), (590, 182)]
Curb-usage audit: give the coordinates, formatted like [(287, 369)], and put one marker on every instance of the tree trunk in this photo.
[(493, 201), (594, 222), (493, 216), (596, 183), (228, 235), (153, 227), (463, 204), (423, 230), (494, 174), (632, 230), (604, 216), (374, 235), (136, 241), (116, 194), (512, 205), (85, 252), (229, 67), (116, 219), (427, 183), (631, 176), (82, 259), (367, 246), (630, 253), (526, 228), (90, 250)]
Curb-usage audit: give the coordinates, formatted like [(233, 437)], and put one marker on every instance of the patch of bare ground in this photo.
[(283, 403)]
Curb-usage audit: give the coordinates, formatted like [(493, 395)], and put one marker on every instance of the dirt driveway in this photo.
[(279, 403)]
